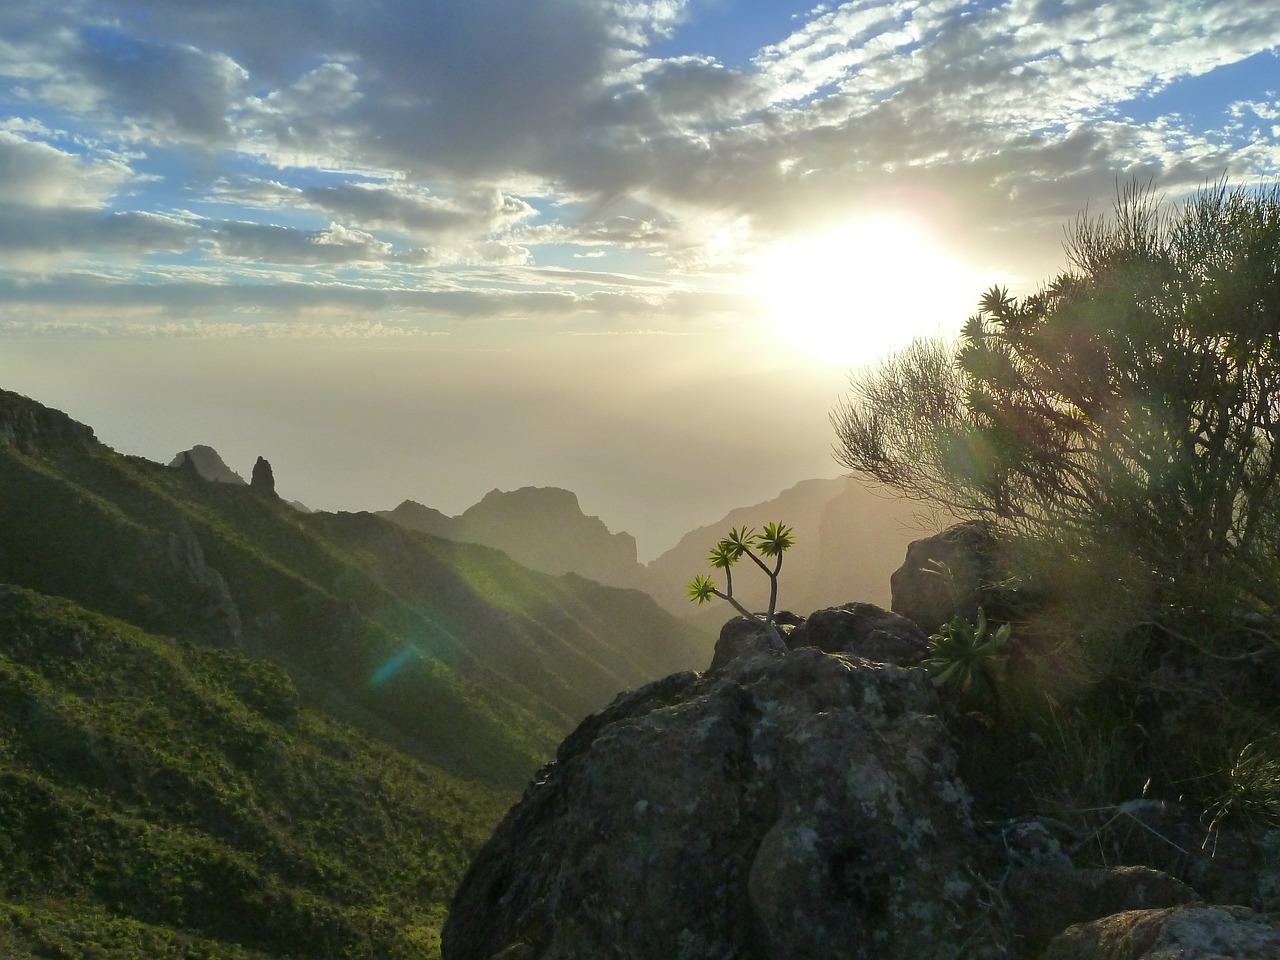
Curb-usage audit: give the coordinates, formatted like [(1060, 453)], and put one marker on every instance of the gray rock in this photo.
[(793, 806), (864, 630), (922, 594), (1194, 932), (1047, 900)]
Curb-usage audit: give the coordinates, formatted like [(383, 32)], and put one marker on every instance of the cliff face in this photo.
[(29, 427)]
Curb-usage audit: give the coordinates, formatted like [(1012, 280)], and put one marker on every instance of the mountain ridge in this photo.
[(233, 730), (328, 595), (849, 540)]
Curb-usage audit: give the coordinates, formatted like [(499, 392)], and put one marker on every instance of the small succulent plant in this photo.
[(771, 542), (968, 660)]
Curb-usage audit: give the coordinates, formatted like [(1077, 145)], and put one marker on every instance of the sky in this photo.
[(427, 248)]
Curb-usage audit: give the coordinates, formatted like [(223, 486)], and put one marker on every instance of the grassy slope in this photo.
[(231, 730), (495, 662), (163, 799)]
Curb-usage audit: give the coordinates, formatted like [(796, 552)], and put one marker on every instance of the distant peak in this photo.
[(208, 464)]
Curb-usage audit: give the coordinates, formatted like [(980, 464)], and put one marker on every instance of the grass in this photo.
[(157, 792)]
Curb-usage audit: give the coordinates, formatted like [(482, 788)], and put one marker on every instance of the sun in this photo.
[(851, 295)]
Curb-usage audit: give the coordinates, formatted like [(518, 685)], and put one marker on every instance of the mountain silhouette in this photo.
[(849, 540), (542, 528), (208, 464)]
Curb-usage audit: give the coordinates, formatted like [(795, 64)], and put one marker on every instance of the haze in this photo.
[(632, 249)]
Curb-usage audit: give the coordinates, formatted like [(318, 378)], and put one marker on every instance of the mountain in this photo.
[(542, 528), (232, 730), (849, 540), (208, 464), (452, 650)]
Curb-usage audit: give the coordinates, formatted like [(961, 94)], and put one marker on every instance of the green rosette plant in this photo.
[(968, 660)]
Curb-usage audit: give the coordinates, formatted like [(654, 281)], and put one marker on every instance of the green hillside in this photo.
[(163, 799), (230, 729), (452, 651)]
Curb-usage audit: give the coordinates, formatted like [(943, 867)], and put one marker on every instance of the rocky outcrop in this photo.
[(29, 427), (263, 480), (208, 464), (805, 804), (864, 630), (1047, 900), (217, 619), (1193, 932), (791, 805), (944, 576)]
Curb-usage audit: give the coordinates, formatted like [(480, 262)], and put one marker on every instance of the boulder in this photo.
[(785, 805), (864, 630), (944, 576), (1047, 900), (1192, 932), (741, 637)]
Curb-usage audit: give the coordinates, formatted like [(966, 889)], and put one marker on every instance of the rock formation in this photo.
[(208, 464), (1192, 932), (943, 576), (792, 805), (807, 804), (263, 481), (29, 427)]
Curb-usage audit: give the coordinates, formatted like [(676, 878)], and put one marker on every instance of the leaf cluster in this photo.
[(968, 660), (1132, 403)]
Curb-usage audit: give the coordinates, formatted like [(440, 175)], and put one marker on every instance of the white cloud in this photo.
[(393, 138), (37, 174)]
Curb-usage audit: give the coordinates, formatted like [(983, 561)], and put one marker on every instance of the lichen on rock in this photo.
[(784, 805)]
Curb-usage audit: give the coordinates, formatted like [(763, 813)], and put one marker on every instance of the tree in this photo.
[(1131, 407), (772, 542)]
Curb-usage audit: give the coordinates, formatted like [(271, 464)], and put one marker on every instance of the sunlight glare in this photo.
[(853, 294)]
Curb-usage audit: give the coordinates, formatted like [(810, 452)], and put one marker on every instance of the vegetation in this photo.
[(968, 661), (452, 651), (1119, 432), (159, 799), (1130, 405), (231, 730), (772, 542)]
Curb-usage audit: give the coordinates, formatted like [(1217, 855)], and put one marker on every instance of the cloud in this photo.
[(399, 142), (37, 174), (275, 244), (24, 229), (168, 89), (419, 213)]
